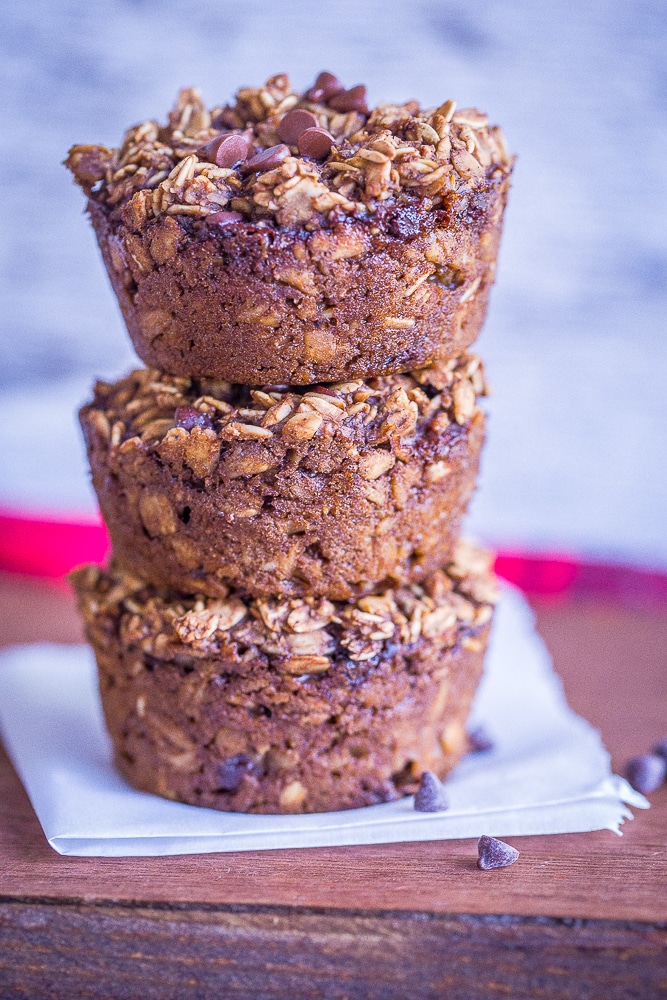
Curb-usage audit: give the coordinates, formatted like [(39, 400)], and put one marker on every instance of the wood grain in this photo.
[(120, 952), (415, 920)]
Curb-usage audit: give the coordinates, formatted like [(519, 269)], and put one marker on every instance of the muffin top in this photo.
[(279, 157)]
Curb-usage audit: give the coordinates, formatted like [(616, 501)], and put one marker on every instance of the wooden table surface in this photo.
[(579, 915)]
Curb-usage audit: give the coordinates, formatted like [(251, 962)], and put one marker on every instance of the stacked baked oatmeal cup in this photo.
[(290, 621)]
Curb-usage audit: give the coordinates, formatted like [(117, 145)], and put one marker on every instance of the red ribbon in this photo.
[(42, 547)]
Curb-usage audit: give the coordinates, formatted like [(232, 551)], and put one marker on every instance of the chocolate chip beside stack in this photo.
[(494, 853), (290, 621)]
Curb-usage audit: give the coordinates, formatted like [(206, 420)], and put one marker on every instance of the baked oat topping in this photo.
[(300, 635), (294, 158), (154, 407)]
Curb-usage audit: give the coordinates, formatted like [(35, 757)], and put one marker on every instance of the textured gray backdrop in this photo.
[(575, 343)]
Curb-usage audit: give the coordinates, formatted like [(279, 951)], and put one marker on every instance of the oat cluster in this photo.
[(355, 161), (299, 636), (195, 418)]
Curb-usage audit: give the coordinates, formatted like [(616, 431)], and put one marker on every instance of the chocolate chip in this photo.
[(294, 123), (233, 770), (406, 223), (646, 772), (232, 150), (431, 796), (326, 86), (268, 159), (494, 853), (224, 218), (208, 151), (660, 749), (188, 418), (324, 390), (316, 143), (225, 150), (479, 740), (353, 99)]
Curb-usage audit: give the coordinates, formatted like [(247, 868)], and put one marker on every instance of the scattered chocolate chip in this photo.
[(233, 770), (494, 853), (353, 99), (225, 150), (187, 418), (224, 218), (406, 223), (431, 796), (660, 749), (479, 740), (646, 772), (294, 123), (326, 86), (325, 390), (315, 142), (268, 159)]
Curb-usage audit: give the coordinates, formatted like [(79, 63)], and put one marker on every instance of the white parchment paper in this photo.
[(548, 772)]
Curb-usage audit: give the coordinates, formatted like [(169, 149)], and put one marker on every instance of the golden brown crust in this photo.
[(326, 492), (378, 259), (293, 706)]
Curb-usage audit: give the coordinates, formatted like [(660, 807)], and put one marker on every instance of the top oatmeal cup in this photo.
[(296, 238)]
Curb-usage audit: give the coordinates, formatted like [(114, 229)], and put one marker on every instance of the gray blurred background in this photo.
[(576, 339)]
